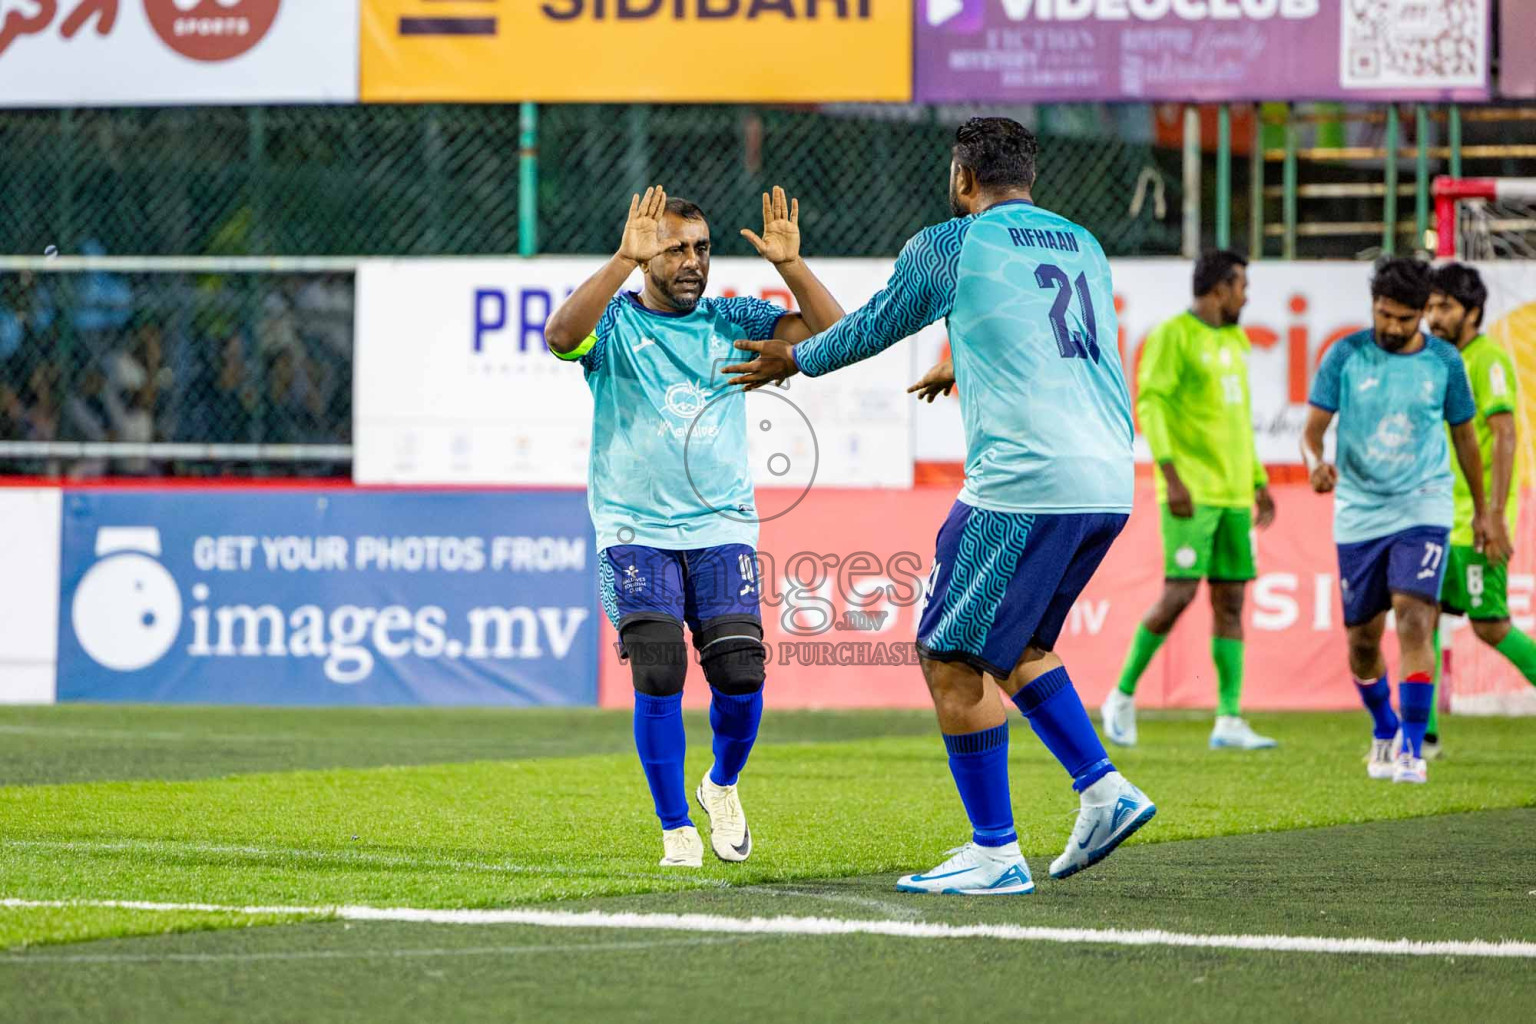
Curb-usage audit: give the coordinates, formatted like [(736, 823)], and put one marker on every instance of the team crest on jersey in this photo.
[(686, 400)]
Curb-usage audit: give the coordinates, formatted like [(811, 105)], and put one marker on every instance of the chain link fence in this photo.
[(101, 357)]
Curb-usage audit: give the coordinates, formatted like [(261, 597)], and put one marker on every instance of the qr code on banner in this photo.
[(1422, 43)]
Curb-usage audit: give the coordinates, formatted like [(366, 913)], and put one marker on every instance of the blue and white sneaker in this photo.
[(1111, 812), (975, 870), (1232, 733)]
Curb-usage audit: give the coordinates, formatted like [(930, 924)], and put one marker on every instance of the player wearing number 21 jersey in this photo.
[(1030, 309), (1392, 389)]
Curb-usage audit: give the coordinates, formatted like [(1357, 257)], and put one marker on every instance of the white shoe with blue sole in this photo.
[(1111, 812), (974, 870)]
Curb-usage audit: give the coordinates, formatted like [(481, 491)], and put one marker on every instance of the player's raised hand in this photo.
[(780, 241), (939, 380), (1324, 476), (641, 242), (774, 364)]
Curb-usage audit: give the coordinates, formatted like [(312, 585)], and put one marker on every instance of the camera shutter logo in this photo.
[(127, 609)]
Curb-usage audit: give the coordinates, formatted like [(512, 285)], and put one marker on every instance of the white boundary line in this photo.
[(357, 858), (711, 924)]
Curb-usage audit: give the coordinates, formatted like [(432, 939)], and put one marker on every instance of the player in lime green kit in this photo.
[(1477, 582), (1197, 416)]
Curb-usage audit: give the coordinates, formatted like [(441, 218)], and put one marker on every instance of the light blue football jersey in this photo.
[(1393, 459), (1033, 331), (669, 464)]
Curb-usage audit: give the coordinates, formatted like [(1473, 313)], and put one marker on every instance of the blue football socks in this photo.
[(1378, 701), (979, 763), (661, 742), (1416, 695), (735, 720), (1057, 715)]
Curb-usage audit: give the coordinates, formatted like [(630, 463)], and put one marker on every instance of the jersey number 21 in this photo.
[(1070, 343)]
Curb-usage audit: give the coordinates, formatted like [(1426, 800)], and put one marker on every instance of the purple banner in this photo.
[(1201, 50), (1517, 51)]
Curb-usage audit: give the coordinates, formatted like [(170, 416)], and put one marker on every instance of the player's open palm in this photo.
[(642, 232), (780, 241)]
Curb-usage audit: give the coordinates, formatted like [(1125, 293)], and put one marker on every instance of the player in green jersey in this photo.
[(1477, 582), (1196, 413)]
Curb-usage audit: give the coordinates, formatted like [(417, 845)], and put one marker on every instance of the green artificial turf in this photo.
[(459, 809)]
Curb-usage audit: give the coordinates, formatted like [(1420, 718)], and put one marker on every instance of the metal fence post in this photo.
[(528, 181), (1224, 177), (1290, 198), (1191, 181), (1455, 140), (1389, 230), (1256, 187), (1421, 175)]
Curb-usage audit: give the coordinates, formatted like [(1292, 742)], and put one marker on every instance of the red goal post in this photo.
[(1485, 218)]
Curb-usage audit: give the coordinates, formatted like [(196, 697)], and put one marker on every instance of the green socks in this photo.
[(1228, 656), (1143, 645), (1226, 653), (1520, 649)]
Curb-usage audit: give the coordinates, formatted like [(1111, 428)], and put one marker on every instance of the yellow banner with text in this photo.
[(702, 51)]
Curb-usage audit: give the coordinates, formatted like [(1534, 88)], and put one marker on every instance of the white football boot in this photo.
[(974, 870), (728, 831), (1118, 716), (1431, 749), (1382, 762), (1410, 768), (1233, 733), (1112, 810), (682, 847)]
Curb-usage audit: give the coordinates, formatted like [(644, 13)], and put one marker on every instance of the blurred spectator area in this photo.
[(150, 357)]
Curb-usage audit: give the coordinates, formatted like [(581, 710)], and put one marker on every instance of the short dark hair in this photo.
[(1216, 267), (1402, 279), (1462, 283), (687, 210), (999, 151)]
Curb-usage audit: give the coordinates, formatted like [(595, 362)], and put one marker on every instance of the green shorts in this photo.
[(1473, 587), (1214, 544)]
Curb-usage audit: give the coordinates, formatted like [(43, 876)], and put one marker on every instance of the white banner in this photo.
[(29, 601), (1295, 311), (59, 53), (453, 383)]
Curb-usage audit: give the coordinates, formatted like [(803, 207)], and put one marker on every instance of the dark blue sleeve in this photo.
[(1459, 404), (921, 291), (1325, 386), (757, 317)]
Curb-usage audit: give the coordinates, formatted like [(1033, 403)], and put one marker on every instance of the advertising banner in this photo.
[(29, 597), (1039, 51), (327, 598), (58, 53), (454, 384), (631, 51), (843, 583), (1517, 49)]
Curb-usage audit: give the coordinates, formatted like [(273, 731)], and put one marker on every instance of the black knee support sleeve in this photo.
[(732, 653), (658, 658)]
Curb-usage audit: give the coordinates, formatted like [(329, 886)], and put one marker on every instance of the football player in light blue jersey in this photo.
[(670, 489), (1393, 388), (1048, 485)]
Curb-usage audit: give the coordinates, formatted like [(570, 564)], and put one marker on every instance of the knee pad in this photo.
[(658, 658), (732, 654)]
